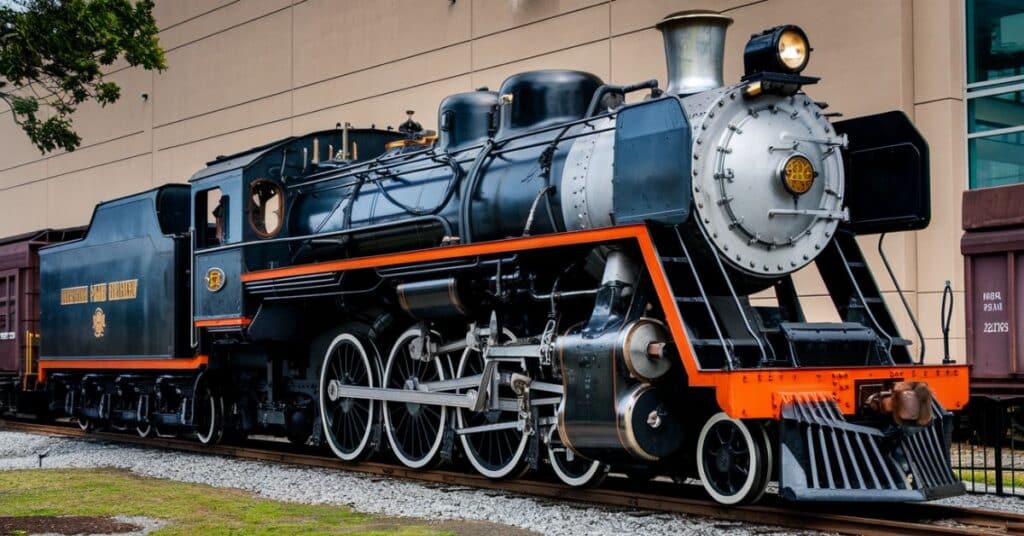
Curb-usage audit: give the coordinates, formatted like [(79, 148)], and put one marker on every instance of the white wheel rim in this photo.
[(514, 462), (755, 461), (436, 446), (144, 431), (365, 439), (84, 424), (206, 438), (595, 470)]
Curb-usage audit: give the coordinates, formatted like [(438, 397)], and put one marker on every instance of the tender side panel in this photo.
[(116, 293)]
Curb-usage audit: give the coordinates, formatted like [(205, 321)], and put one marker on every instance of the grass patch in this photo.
[(189, 508), (1013, 479)]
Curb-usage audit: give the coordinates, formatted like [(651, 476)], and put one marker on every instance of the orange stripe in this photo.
[(178, 363), (748, 393), (452, 252), (221, 322)]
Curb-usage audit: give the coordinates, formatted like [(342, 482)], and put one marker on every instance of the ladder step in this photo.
[(675, 260), (857, 264), (690, 299)]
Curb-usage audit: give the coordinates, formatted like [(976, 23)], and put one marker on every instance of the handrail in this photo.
[(727, 347), (30, 339), (864, 302), (736, 299), (906, 304)]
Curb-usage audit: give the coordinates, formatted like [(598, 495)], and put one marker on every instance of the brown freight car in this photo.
[(19, 308), (993, 249)]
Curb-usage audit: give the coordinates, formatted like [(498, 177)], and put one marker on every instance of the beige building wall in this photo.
[(244, 72)]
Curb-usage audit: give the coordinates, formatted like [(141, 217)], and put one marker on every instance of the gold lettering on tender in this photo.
[(123, 290), (98, 293), (73, 295)]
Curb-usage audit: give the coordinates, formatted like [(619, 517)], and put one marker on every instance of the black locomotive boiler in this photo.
[(554, 278)]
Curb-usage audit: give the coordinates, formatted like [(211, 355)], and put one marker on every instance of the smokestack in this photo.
[(694, 50)]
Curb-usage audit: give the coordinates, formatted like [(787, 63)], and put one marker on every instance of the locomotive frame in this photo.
[(398, 294)]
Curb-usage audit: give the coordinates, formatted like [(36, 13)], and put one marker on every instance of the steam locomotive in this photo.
[(555, 278)]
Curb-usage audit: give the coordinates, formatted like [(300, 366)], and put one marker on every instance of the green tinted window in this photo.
[(994, 112), (995, 92), (995, 39), (996, 160)]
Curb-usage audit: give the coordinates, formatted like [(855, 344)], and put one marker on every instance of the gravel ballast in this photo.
[(380, 495), (364, 493)]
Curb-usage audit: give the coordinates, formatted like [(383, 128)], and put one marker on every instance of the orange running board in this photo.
[(223, 322), (177, 363)]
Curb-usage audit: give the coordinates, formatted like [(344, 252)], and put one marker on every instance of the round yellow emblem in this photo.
[(214, 279), (798, 175)]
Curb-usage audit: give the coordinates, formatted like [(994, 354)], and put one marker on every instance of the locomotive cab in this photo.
[(240, 213)]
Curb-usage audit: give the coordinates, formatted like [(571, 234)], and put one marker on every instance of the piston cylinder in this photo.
[(433, 299)]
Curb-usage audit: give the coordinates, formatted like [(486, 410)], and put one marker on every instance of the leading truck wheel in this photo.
[(572, 469), (733, 459), (347, 422)]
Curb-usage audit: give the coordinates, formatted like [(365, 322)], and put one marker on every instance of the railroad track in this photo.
[(874, 519)]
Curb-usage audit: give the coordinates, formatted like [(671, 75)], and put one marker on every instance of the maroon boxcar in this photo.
[(994, 281), (19, 306)]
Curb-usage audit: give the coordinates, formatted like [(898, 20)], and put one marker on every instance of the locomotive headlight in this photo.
[(793, 49), (797, 174), (783, 49)]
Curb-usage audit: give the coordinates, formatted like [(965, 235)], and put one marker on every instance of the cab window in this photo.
[(211, 218), (266, 208)]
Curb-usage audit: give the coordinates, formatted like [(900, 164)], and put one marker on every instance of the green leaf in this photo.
[(56, 49)]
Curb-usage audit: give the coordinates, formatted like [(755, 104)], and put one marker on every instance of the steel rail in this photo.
[(849, 518)]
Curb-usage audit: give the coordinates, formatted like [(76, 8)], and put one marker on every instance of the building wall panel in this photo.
[(425, 68), (209, 19), (591, 58), (387, 109), (334, 38), (99, 154), (19, 175), (17, 149), (32, 195), (939, 56), (492, 16), (170, 14), (938, 245), (71, 197), (129, 115), (632, 15), (553, 34), (239, 65), (233, 118)]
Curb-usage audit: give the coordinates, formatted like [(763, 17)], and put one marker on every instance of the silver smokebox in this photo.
[(694, 50)]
